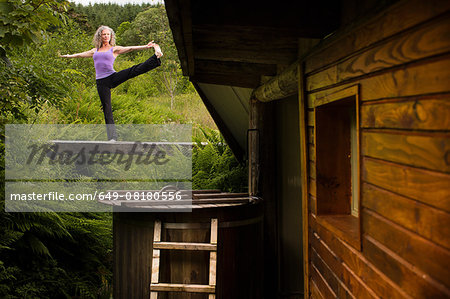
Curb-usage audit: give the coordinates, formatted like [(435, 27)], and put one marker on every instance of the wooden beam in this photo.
[(178, 287), (257, 32), (234, 68), (185, 246), (245, 44), (281, 86), (229, 138), (186, 22), (254, 148), (248, 52), (304, 178), (246, 81), (305, 45), (261, 169), (175, 23), (313, 17)]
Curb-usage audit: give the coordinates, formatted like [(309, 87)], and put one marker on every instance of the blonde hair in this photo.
[(97, 40)]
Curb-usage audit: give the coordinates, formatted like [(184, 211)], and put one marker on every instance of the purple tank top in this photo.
[(103, 63)]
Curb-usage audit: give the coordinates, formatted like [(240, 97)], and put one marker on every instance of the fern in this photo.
[(214, 165)]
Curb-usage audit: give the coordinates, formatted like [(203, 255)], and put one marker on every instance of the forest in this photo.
[(69, 255)]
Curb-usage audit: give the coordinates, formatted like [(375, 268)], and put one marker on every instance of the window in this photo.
[(337, 164)]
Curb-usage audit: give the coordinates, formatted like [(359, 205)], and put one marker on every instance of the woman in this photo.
[(104, 54)]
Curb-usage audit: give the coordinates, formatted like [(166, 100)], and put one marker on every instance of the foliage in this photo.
[(128, 108), (53, 255), (215, 167), (107, 13), (45, 255), (153, 24), (23, 21), (48, 255), (25, 87)]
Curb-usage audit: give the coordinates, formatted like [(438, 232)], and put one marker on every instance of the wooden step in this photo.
[(185, 246), (156, 287), (177, 287)]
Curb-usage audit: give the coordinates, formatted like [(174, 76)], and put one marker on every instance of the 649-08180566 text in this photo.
[(140, 195)]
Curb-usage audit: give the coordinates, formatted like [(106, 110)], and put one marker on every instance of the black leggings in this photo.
[(104, 86)]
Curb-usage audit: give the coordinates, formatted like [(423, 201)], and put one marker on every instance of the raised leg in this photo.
[(135, 70)]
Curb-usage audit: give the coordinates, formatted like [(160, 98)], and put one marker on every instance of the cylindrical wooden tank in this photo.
[(239, 251)]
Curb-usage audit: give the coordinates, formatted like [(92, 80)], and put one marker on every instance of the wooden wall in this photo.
[(132, 254), (400, 62)]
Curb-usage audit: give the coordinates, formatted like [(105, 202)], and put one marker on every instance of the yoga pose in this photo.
[(104, 54)]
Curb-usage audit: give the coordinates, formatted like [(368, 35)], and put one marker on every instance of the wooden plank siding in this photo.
[(315, 292), (422, 113), (423, 150), (426, 221), (426, 41), (424, 186), (357, 263), (346, 276), (399, 64), (400, 17)]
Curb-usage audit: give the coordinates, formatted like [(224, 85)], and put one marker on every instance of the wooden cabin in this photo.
[(342, 111)]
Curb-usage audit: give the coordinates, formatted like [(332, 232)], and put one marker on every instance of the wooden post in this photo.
[(253, 136), (304, 178), (213, 256), (261, 183), (156, 258)]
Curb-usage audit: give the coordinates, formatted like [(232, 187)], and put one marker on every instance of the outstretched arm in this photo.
[(122, 50), (86, 54)]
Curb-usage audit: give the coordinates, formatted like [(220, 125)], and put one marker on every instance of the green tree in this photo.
[(109, 14), (153, 24), (22, 23), (214, 165), (44, 255)]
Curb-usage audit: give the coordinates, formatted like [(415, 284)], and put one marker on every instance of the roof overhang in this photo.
[(228, 48)]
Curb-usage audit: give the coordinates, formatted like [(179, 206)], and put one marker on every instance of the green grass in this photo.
[(128, 108)]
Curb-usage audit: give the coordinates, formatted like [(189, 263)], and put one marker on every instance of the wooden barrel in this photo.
[(239, 252)]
